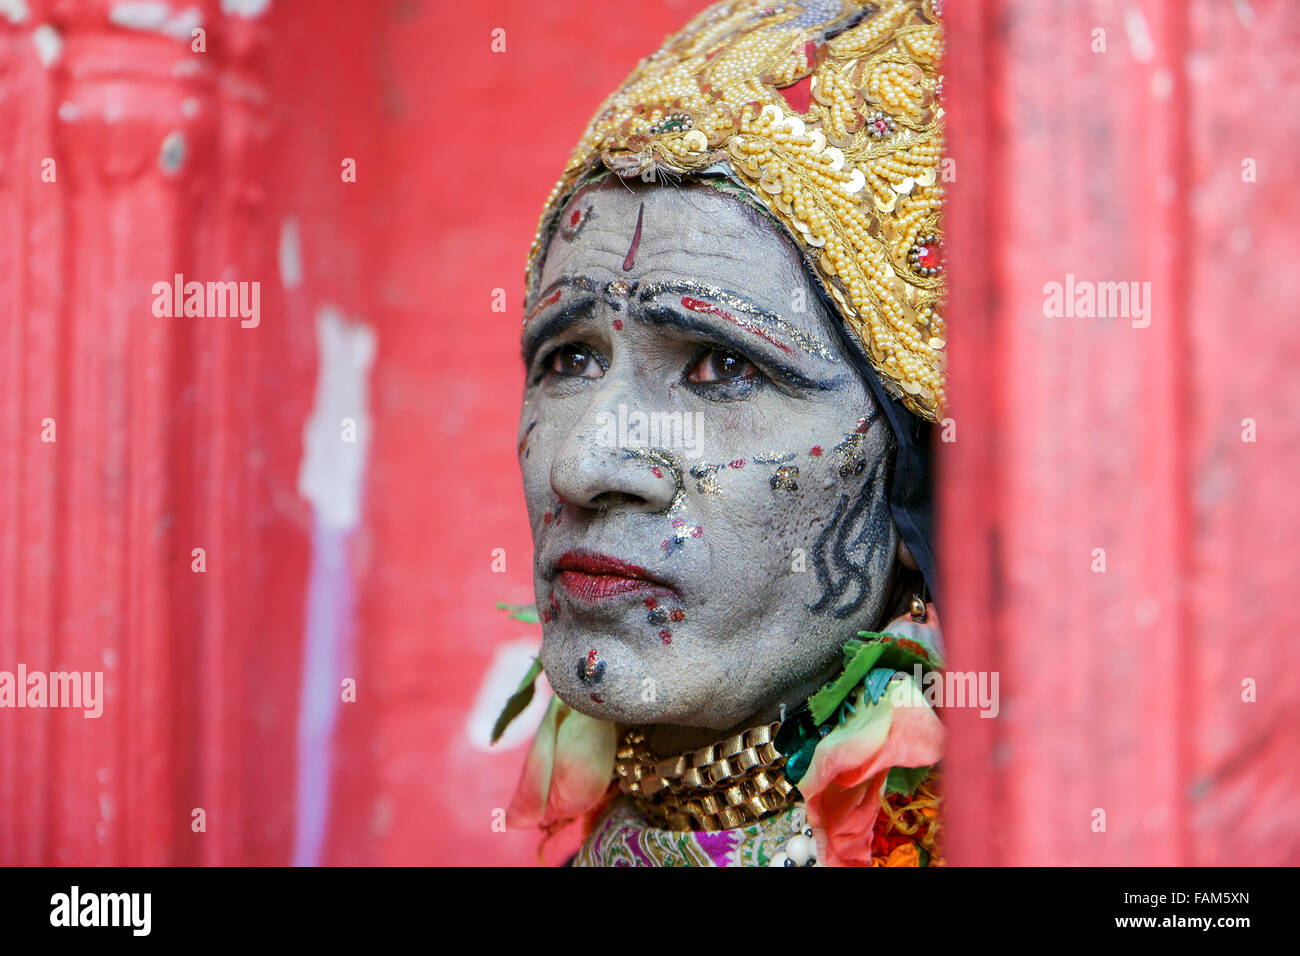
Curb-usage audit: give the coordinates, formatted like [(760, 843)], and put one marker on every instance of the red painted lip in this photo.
[(599, 577)]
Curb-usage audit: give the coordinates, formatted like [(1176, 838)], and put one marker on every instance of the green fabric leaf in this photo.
[(858, 660), (901, 653), (520, 612), (518, 701), (877, 681), (905, 780)]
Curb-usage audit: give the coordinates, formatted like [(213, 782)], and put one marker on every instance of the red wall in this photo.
[(1121, 690)]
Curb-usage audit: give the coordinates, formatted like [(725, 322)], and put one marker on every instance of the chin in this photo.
[(628, 691)]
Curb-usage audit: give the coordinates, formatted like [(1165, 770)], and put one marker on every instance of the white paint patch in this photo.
[(154, 16), (290, 255), (332, 469), (1139, 36), (1198, 67), (48, 43), (1239, 241), (509, 665), (15, 11), (1162, 84), (248, 9), (1145, 613)]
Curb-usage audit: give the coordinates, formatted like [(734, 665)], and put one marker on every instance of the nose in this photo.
[(596, 468)]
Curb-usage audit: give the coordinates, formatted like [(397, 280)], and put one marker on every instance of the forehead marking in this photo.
[(630, 259)]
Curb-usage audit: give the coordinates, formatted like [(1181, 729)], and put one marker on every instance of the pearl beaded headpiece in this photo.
[(828, 112)]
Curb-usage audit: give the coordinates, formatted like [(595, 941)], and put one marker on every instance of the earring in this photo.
[(917, 606)]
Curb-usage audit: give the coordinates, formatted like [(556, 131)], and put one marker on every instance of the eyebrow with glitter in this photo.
[(551, 294), (570, 313), (671, 316), (753, 319)]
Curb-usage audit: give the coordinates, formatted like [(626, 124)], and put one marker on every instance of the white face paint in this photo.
[(700, 592)]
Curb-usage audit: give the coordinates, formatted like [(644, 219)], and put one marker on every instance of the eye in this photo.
[(574, 361), (718, 367)]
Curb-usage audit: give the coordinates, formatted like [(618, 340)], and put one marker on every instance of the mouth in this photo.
[(593, 578)]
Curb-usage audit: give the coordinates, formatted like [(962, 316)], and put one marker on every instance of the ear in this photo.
[(905, 555)]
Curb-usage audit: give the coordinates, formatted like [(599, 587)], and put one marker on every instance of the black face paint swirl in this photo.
[(850, 544)]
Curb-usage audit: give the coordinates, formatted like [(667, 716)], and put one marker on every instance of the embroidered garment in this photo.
[(624, 837), (906, 833)]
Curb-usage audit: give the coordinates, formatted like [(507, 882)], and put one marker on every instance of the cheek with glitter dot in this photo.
[(680, 534), (658, 616), (551, 611), (785, 478), (523, 442), (592, 669), (706, 479)]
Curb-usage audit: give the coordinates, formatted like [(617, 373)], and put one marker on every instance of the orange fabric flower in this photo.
[(905, 855), (566, 774), (844, 781)]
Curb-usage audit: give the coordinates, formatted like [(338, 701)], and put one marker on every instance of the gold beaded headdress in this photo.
[(828, 113)]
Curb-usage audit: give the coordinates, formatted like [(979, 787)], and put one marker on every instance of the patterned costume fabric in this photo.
[(906, 835), (827, 113), (624, 837)]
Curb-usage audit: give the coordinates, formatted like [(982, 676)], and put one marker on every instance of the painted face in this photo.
[(706, 473)]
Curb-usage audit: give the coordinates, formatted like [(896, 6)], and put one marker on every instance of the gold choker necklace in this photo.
[(724, 785)]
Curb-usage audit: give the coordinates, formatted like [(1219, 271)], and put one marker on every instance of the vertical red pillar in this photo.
[(173, 433), (31, 279)]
